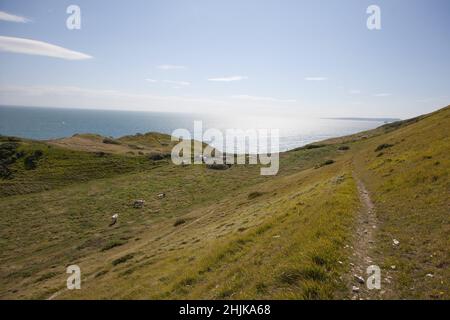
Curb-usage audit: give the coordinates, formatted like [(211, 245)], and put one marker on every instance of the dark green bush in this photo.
[(325, 163), (309, 146), (383, 146), (217, 166), (110, 141), (155, 156), (31, 160), (178, 222), (255, 194)]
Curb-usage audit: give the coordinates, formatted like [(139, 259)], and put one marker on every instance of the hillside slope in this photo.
[(232, 233)]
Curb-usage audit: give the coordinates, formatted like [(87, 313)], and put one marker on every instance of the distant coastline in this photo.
[(44, 123), (365, 119)]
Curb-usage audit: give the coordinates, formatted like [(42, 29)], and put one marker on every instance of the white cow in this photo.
[(114, 218)]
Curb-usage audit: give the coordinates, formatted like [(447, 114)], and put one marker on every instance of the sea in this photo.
[(50, 123)]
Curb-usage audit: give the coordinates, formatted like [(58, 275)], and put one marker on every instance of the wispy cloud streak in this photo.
[(5, 16), (40, 48), (261, 99), (170, 67), (228, 79)]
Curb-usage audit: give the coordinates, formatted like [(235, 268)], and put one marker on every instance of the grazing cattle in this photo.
[(138, 204), (114, 219), (161, 195)]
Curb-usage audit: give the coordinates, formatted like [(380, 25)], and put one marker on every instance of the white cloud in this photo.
[(151, 80), (261, 99), (78, 97), (177, 83), (91, 98), (316, 78), (228, 79), (354, 92), (170, 67), (34, 47), (5, 16), (382, 94)]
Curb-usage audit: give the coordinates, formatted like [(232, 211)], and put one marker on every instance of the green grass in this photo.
[(243, 235), (47, 167)]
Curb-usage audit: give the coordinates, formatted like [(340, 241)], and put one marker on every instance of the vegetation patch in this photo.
[(46, 276), (30, 162), (155, 156), (8, 155), (325, 163), (383, 146), (179, 222), (290, 276), (111, 141), (309, 147), (101, 273), (113, 244), (254, 194), (218, 166), (122, 259)]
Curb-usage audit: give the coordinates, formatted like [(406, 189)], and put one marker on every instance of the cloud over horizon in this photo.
[(5, 16), (228, 79), (261, 99), (170, 67), (40, 48), (177, 83)]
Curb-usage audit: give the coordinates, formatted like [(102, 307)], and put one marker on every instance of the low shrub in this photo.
[(155, 156), (110, 141), (383, 146), (178, 222), (112, 244), (8, 156), (217, 166), (122, 259), (325, 163), (255, 194), (30, 161), (309, 146)]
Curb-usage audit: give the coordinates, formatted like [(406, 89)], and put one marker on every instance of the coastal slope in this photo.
[(335, 207)]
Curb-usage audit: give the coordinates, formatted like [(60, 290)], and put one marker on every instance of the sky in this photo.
[(310, 58)]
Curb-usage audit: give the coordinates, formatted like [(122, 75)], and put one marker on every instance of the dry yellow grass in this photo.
[(244, 235)]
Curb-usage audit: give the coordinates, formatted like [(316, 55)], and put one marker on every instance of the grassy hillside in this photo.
[(139, 144), (229, 234)]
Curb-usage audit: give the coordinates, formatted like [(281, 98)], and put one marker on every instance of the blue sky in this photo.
[(270, 57)]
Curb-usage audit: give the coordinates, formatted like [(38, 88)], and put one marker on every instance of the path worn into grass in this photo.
[(364, 241)]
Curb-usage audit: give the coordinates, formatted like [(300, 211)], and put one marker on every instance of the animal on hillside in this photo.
[(138, 204), (114, 219)]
